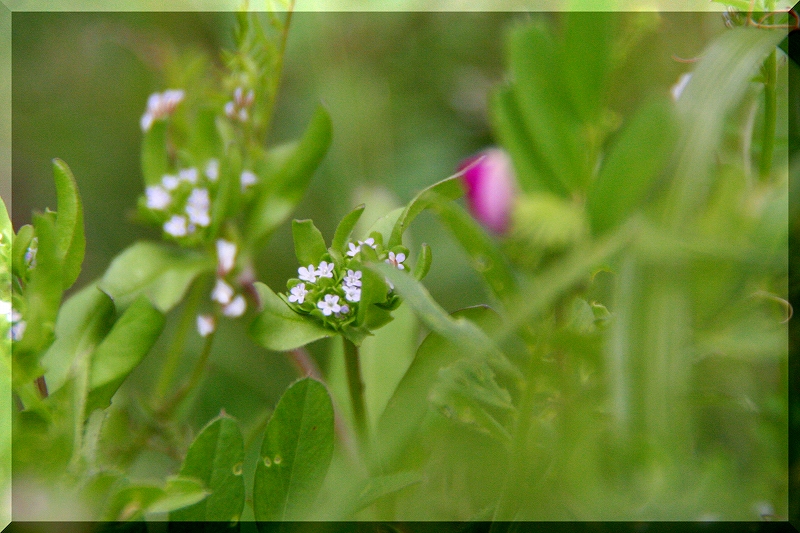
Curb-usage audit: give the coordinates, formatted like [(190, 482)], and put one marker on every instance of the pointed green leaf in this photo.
[(128, 342), (279, 328), (447, 189), (162, 272), (423, 262), (69, 223), (385, 225), (345, 228), (155, 161), (295, 454), (632, 166), (215, 458), (309, 244)]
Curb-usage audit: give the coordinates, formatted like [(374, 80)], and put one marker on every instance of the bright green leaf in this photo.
[(447, 189), (309, 244), (179, 492), (279, 328), (161, 272), (69, 223), (295, 454), (423, 262), (215, 458), (345, 228)]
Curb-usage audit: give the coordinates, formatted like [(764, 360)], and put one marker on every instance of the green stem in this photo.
[(356, 384), (173, 357), (278, 68), (770, 114), (197, 375)]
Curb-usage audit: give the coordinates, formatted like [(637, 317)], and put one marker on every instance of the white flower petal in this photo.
[(226, 255), (205, 325), (222, 292), (176, 226), (236, 308)]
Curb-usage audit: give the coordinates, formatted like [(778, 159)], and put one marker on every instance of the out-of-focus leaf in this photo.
[(129, 340), (132, 502), (161, 272), (345, 228), (540, 92), (229, 193), (19, 246), (83, 321), (155, 161), (423, 262), (179, 492), (309, 244), (43, 295), (295, 454), (215, 458), (729, 61), (486, 256), (279, 328), (289, 184), (632, 165), (447, 189), (69, 223)]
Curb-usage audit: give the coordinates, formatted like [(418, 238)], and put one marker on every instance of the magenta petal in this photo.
[(490, 186)]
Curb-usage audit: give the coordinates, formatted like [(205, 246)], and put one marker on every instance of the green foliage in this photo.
[(295, 454), (277, 327)]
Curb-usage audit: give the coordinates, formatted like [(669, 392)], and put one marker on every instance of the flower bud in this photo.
[(491, 187)]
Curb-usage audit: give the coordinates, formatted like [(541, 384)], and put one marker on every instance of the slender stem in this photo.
[(278, 67), (197, 374), (770, 114), (173, 358), (356, 384)]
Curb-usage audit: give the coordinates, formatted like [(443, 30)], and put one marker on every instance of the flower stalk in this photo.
[(356, 385)]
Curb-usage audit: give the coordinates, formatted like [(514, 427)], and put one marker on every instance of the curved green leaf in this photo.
[(69, 223), (423, 262), (161, 272), (215, 458), (309, 244), (447, 189), (295, 454), (345, 228), (279, 328)]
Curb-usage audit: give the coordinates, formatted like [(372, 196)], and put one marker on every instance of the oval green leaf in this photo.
[(279, 328)]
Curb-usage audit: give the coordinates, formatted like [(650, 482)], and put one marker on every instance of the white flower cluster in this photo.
[(239, 107), (233, 305), (160, 106)]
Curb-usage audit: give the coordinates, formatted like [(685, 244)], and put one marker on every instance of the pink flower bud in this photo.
[(491, 188)]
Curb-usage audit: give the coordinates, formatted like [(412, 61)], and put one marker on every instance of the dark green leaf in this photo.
[(309, 244), (161, 272), (295, 454), (69, 223), (289, 185), (83, 321), (345, 228), (215, 458), (129, 340), (447, 189), (279, 328), (632, 165), (482, 249), (423, 262), (155, 161)]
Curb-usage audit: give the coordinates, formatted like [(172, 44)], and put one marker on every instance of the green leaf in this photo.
[(409, 404), (345, 228), (309, 244), (215, 458), (385, 225), (540, 91), (423, 262), (295, 454), (179, 492), (19, 246), (373, 290), (128, 342), (229, 192), (133, 501), (43, 295), (69, 223), (279, 328), (155, 160), (632, 166), (447, 189), (161, 272), (486, 257), (285, 190), (83, 322)]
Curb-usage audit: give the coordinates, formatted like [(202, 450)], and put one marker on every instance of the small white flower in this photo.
[(343, 310), (205, 325), (160, 105), (226, 256), (236, 308), (7, 311), (330, 305), (157, 197), (197, 207), (230, 110), (176, 226), (307, 274), (222, 292), (353, 279), (369, 242), (248, 179), (212, 169), (298, 293), (170, 182), (325, 270), (352, 294), (396, 260), (188, 174), (353, 249)]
